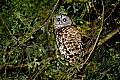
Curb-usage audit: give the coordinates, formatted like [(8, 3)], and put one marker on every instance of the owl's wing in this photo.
[(72, 43)]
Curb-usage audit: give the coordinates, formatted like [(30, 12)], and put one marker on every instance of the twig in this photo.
[(72, 74), (111, 12), (11, 34), (5, 25)]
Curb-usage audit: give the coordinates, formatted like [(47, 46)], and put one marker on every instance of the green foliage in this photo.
[(28, 50)]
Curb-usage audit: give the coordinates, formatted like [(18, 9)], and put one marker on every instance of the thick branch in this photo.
[(101, 41)]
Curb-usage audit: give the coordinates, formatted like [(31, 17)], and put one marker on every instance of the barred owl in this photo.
[(68, 38)]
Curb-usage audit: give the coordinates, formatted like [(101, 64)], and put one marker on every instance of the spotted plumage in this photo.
[(68, 38)]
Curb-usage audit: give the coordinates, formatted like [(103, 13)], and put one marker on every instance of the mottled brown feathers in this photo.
[(68, 39)]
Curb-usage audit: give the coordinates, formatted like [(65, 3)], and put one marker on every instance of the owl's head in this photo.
[(62, 20)]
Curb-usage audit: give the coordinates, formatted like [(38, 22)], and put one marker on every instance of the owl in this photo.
[(68, 38)]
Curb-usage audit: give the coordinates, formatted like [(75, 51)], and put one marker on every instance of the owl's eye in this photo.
[(58, 19), (64, 19)]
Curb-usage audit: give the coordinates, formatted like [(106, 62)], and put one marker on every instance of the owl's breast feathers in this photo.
[(69, 42)]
